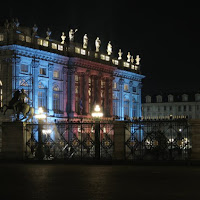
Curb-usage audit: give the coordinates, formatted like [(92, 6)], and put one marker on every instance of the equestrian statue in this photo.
[(18, 105)]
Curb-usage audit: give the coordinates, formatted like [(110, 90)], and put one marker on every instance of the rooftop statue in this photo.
[(71, 34), (97, 44), (129, 57), (132, 59), (109, 48), (137, 60), (63, 37), (35, 28), (48, 34), (120, 53), (85, 41)]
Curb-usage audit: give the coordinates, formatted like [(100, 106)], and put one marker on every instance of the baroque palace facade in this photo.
[(66, 78)]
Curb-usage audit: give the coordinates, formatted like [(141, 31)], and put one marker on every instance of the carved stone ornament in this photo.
[(63, 37)]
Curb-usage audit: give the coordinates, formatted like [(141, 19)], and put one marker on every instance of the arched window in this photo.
[(56, 99), (42, 95), (1, 94)]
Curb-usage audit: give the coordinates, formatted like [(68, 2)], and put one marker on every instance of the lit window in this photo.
[(28, 39), (126, 64), (40, 41), (115, 62), (1, 94), (45, 43), (77, 50), (21, 37), (24, 68), (56, 74), (103, 57), (60, 47), (126, 87), (54, 46), (114, 85), (83, 52), (43, 71), (1, 37)]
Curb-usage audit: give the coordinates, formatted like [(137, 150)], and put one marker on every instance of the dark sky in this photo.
[(167, 39)]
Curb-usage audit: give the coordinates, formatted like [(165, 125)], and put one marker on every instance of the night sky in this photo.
[(167, 40)]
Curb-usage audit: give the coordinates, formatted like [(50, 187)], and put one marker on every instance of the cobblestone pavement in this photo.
[(95, 182)]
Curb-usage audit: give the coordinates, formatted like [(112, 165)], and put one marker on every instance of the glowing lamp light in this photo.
[(41, 114), (48, 131), (97, 112)]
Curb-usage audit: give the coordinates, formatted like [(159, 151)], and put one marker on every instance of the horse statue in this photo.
[(18, 106)]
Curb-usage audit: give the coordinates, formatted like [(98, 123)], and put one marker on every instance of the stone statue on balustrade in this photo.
[(63, 37), (18, 105), (97, 44), (48, 34), (129, 57), (109, 48), (35, 29), (85, 41), (137, 60), (71, 34), (120, 54)]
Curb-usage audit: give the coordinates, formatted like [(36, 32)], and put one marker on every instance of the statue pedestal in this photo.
[(13, 140)]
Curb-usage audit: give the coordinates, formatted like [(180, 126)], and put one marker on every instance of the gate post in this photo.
[(119, 140), (195, 138), (13, 140)]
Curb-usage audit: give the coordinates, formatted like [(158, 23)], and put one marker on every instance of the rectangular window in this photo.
[(114, 85), (56, 74), (60, 47), (56, 103), (134, 89), (179, 108), (42, 99), (125, 87), (1, 37), (54, 46), (28, 39), (24, 68), (43, 71), (21, 37)]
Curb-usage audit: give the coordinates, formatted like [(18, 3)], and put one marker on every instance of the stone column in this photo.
[(195, 139), (110, 96), (65, 91), (50, 90), (121, 99), (13, 140), (35, 66), (85, 94), (139, 108), (119, 141), (71, 92)]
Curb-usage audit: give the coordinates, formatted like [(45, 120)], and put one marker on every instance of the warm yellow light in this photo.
[(97, 112), (41, 115), (97, 108)]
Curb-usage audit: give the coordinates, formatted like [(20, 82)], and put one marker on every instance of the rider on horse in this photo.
[(21, 99)]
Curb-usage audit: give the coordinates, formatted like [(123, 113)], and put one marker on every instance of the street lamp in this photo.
[(40, 116), (97, 114)]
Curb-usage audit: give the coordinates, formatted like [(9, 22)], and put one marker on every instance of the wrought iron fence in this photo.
[(157, 140), (69, 140)]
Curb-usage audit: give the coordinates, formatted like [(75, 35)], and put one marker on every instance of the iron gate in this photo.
[(157, 140), (69, 140)]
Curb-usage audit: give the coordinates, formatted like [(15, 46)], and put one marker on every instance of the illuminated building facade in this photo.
[(176, 105), (66, 78)]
